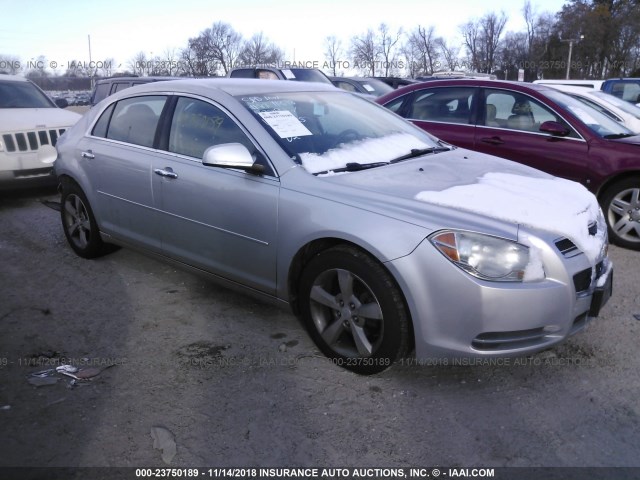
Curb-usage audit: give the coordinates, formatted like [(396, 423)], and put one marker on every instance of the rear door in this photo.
[(446, 112), (119, 158)]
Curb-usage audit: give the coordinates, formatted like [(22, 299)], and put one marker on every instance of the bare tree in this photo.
[(139, 64), (365, 52), (412, 59), (388, 42), (482, 38), (259, 51), (224, 45), (332, 53), (424, 44), (450, 54)]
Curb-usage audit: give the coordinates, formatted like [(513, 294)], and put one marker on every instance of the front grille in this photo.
[(582, 280), (509, 340), (31, 141)]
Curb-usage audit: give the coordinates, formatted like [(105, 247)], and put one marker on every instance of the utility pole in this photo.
[(571, 42)]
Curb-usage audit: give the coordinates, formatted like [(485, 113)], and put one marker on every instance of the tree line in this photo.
[(603, 35)]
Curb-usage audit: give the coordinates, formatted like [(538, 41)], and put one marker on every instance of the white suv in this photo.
[(30, 124)]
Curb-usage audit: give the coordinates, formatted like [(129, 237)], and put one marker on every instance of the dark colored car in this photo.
[(540, 127), (273, 73), (364, 85), (625, 88), (396, 82), (108, 86)]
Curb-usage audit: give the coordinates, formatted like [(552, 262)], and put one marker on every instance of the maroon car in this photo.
[(538, 126)]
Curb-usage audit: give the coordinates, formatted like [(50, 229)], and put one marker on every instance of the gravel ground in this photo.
[(238, 383)]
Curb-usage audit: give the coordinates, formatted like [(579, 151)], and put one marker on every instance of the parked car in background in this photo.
[(615, 108), (540, 127), (108, 86), (396, 82), (310, 196), (363, 85), (30, 125), (273, 73), (627, 89)]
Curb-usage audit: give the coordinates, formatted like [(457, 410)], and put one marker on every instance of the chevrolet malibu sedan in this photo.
[(381, 238), (540, 127)]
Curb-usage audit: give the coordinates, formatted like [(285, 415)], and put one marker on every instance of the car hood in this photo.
[(432, 172), (461, 185), (20, 119)]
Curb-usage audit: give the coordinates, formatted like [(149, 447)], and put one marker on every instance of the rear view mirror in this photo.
[(554, 128), (231, 155), (61, 102)]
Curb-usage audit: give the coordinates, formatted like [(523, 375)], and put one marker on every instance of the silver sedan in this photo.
[(381, 238)]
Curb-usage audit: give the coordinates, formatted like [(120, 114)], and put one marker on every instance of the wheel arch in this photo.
[(313, 248), (604, 188)]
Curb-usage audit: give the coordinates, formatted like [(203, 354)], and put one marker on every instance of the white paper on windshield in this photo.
[(285, 124), (583, 115), (288, 74), (368, 87)]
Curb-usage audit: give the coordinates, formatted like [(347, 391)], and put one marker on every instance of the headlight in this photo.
[(483, 256)]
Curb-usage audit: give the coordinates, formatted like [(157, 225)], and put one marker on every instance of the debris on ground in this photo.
[(49, 377), (163, 440)]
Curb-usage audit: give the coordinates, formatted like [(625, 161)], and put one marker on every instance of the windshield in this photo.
[(327, 131), (600, 124), (22, 95), (621, 104)]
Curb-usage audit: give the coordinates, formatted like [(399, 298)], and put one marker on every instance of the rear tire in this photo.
[(621, 207), (79, 223), (353, 310)]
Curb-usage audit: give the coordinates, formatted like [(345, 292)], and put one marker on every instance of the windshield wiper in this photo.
[(354, 167), (418, 152), (615, 136)]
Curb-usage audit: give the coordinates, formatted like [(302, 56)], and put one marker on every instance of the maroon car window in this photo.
[(516, 111), (444, 104)]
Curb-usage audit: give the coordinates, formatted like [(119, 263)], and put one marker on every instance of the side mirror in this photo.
[(231, 155), (61, 102), (554, 128)]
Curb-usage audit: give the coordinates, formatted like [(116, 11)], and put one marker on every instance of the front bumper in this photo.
[(456, 315)]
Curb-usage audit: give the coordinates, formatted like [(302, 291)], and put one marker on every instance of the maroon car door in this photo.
[(509, 126), (445, 112)]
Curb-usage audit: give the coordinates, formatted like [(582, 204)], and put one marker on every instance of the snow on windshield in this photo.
[(369, 150), (550, 204)]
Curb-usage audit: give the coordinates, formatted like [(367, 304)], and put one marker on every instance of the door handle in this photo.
[(88, 155), (492, 140), (166, 172)]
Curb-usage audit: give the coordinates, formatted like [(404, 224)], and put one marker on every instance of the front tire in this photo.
[(621, 207), (353, 310), (79, 223)]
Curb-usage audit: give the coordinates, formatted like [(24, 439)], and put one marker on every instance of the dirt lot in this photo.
[(238, 383)]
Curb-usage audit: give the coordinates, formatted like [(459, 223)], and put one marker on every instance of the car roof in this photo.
[(231, 86), (474, 82)]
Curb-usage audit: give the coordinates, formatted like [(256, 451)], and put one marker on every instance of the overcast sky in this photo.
[(119, 29)]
